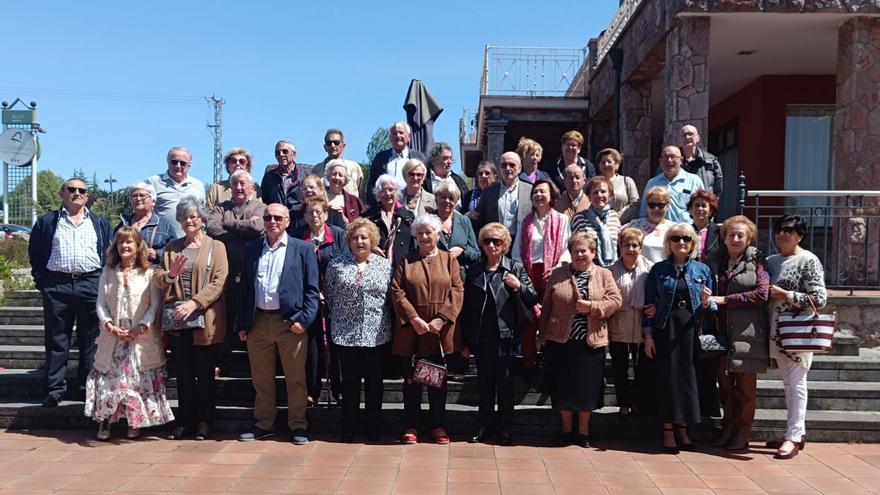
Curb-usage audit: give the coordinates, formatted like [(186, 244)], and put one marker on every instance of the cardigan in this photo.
[(559, 306), (462, 236)]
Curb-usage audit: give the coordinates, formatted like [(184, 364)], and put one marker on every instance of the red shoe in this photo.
[(440, 436), (410, 437)]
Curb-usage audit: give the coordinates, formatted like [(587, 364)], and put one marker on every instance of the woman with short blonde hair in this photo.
[(220, 191), (655, 224)]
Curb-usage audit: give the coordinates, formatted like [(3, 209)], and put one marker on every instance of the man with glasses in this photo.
[(279, 301), (174, 185), (334, 145), (507, 201), (677, 181), (67, 250), (282, 184), (391, 161)]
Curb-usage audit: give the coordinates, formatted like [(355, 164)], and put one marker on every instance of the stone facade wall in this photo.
[(859, 315), (635, 130), (687, 76)]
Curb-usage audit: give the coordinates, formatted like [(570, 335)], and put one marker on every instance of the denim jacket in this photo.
[(660, 291), (156, 233)]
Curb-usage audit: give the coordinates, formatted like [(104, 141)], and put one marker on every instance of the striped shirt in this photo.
[(74, 247), (579, 322)]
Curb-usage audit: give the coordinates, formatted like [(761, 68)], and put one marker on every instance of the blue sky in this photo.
[(286, 70)]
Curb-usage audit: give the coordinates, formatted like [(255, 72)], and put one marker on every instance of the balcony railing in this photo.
[(529, 71), (618, 24), (467, 127)]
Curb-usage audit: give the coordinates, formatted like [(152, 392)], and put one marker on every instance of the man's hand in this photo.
[(650, 350), (650, 310), (242, 335), (297, 328)]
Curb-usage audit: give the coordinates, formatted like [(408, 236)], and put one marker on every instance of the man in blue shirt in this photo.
[(680, 184)]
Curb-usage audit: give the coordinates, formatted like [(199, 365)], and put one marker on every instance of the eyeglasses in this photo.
[(334, 142), (277, 218), (631, 245), (656, 206), (282, 151), (485, 173), (80, 190), (681, 238), (140, 196), (494, 241), (237, 161), (315, 212), (182, 163), (788, 229), (508, 164)]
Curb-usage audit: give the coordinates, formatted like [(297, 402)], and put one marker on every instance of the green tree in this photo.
[(378, 142), (48, 186)]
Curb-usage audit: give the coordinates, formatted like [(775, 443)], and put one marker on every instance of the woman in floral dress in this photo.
[(128, 378)]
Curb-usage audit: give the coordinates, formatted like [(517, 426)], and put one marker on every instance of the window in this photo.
[(724, 143), (808, 153)]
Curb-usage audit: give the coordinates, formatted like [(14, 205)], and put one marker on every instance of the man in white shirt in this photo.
[(334, 145), (391, 161), (174, 185), (509, 200)]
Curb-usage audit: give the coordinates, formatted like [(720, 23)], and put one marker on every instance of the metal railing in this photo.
[(529, 71), (843, 230), (621, 19), (467, 127)]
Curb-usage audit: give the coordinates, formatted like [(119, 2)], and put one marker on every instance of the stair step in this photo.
[(30, 298)]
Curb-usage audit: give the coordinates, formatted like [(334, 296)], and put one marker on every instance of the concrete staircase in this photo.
[(843, 404)]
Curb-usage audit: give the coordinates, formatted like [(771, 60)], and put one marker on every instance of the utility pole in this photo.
[(216, 130), (110, 181)]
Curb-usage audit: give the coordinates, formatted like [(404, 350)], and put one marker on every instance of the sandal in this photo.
[(410, 437), (440, 436), (670, 449)]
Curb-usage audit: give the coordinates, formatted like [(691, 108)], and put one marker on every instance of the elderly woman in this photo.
[(540, 247), (497, 298), (128, 376), (312, 186), (486, 175), (654, 225), (415, 199), (235, 159), (155, 231), (743, 288), (347, 204), (626, 197), (193, 277), (600, 219), (456, 234), (580, 297), (427, 292), (676, 295), (356, 287), (394, 221), (530, 152), (441, 172), (630, 273), (797, 278), (703, 205)]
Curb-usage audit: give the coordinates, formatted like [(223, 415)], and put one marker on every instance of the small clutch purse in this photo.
[(169, 324), (426, 372)]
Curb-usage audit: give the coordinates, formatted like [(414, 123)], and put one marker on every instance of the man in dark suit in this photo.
[(441, 170), (67, 250), (507, 201), (391, 161), (279, 300)]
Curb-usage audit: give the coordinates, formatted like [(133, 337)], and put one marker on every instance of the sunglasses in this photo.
[(283, 151), (237, 161), (182, 163), (494, 241), (656, 206), (277, 218), (415, 175), (681, 238), (80, 190), (508, 165), (334, 142), (788, 229)]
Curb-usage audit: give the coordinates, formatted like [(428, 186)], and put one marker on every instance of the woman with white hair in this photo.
[(392, 219), (155, 231), (220, 191), (415, 198), (349, 205)]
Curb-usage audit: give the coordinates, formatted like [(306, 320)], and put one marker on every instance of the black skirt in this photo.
[(677, 395), (577, 375)]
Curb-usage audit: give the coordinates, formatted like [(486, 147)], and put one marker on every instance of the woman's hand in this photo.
[(151, 254), (777, 292), (379, 251), (511, 281), (705, 296), (184, 311), (177, 266), (583, 306), (436, 325), (650, 351), (456, 251), (718, 300), (650, 310), (420, 326), (473, 214), (466, 352)]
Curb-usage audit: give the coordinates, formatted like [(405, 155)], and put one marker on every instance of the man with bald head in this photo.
[(174, 185), (700, 162), (507, 201), (677, 181)]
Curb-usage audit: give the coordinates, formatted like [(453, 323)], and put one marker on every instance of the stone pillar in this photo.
[(600, 136), (687, 76), (857, 145), (496, 127), (635, 130)]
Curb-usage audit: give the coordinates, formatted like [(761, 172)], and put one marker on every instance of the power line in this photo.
[(76, 94)]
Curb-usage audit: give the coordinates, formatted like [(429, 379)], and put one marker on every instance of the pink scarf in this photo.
[(552, 240)]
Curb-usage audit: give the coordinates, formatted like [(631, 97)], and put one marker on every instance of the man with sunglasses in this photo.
[(67, 250), (391, 161), (680, 184), (174, 185), (282, 183), (334, 145)]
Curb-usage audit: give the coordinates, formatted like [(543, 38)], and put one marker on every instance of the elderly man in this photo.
[(681, 185), (174, 185), (391, 161), (281, 184), (572, 142), (67, 250), (236, 222), (573, 199), (700, 162), (334, 145), (279, 300), (441, 170), (507, 201)]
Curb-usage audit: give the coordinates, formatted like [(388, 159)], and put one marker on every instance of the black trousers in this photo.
[(628, 391), (67, 301), (495, 382), (316, 363), (196, 388), (367, 364), (224, 355), (412, 398)]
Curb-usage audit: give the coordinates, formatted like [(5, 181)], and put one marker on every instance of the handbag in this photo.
[(196, 319), (799, 332), (426, 372), (712, 345)]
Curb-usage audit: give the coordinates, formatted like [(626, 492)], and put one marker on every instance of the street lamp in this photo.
[(110, 181)]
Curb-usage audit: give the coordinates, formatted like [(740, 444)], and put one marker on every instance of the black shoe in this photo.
[(505, 439), (373, 437), (50, 401), (582, 441), (299, 436), (689, 447), (203, 432), (347, 437), (566, 438), (180, 433), (479, 436)]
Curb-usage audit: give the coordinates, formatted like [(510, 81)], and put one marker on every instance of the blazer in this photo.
[(559, 306), (156, 233), (426, 290), (379, 166), (207, 291), (40, 242), (556, 171), (488, 206), (298, 288), (463, 237), (273, 190), (403, 239), (511, 307), (428, 184)]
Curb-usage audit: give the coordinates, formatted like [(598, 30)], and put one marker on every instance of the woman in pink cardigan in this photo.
[(578, 300)]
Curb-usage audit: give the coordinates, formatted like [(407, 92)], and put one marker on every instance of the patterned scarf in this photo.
[(552, 240), (599, 220)]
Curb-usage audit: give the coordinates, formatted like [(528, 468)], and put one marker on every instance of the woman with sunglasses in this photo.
[(235, 159), (498, 296), (676, 295), (655, 224), (797, 281)]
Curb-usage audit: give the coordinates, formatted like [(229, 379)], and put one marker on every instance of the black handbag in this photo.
[(196, 319)]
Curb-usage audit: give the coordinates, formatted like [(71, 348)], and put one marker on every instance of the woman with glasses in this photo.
[(339, 199), (677, 292), (235, 159), (600, 219), (155, 231), (415, 199), (486, 175), (654, 225), (393, 220), (312, 187), (498, 296), (797, 278), (456, 234)]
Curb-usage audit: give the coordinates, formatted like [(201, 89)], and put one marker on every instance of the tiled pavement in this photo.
[(72, 462)]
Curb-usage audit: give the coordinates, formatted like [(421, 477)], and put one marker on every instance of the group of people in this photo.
[(345, 279)]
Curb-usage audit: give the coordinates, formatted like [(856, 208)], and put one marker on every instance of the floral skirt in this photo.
[(125, 391)]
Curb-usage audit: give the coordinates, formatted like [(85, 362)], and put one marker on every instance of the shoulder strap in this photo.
[(208, 265)]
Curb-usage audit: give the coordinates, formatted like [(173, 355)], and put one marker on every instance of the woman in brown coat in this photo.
[(579, 298), (427, 292), (194, 270)]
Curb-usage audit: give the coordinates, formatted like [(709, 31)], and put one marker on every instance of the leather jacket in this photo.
[(513, 308)]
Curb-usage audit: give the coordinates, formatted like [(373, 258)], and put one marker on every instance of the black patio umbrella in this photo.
[(422, 110)]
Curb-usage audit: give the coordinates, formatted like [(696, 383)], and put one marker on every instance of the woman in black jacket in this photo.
[(394, 221), (497, 298)]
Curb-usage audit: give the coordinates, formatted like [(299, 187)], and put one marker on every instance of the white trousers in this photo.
[(794, 380)]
